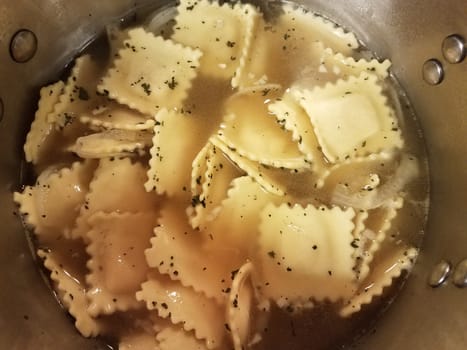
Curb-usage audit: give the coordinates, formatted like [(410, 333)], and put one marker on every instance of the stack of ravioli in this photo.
[(211, 169)]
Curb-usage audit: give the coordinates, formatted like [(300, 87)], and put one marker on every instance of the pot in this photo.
[(38, 38)]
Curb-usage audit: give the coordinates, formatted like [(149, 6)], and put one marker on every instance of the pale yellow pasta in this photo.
[(41, 136), (138, 340), (116, 186), (317, 28), (150, 73), (117, 265), (278, 46), (214, 182), (377, 226), (67, 270), (182, 305), (345, 66), (111, 143), (79, 95), (178, 138), (52, 205), (353, 111), (206, 271), (381, 276), (295, 43), (221, 32), (334, 66), (306, 253), (359, 239), (176, 338), (260, 173), (231, 165), (112, 115), (236, 225), (292, 117), (248, 128), (240, 307), (199, 167)]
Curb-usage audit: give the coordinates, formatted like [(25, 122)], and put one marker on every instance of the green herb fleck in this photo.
[(83, 94), (147, 88)]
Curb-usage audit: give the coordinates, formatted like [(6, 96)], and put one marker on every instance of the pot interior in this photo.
[(408, 33)]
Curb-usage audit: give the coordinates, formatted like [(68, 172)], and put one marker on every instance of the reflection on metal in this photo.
[(433, 72), (439, 274), (454, 49), (459, 277), (23, 45)]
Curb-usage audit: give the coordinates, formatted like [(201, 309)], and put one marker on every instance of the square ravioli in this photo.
[(222, 32), (151, 73)]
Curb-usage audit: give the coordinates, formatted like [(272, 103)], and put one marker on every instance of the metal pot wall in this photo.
[(407, 32)]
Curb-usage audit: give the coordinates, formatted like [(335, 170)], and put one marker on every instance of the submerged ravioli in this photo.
[(67, 270), (117, 265), (205, 270), (182, 305)]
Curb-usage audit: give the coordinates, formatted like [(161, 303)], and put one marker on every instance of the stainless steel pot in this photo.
[(409, 32)]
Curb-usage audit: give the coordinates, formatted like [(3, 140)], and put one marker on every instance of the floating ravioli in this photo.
[(40, 138), (117, 265), (259, 172), (280, 47), (67, 268), (199, 168), (176, 338), (112, 115), (182, 305), (178, 137), (381, 276), (295, 43), (223, 33), (306, 253), (214, 178), (377, 186), (79, 95), (353, 111), (318, 28), (377, 226), (117, 186), (150, 73), (334, 66), (292, 117), (112, 143), (140, 340), (236, 225), (346, 66), (240, 307), (52, 205), (249, 129), (172, 253)]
